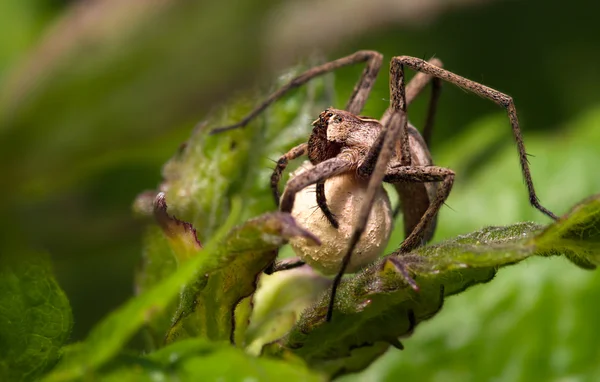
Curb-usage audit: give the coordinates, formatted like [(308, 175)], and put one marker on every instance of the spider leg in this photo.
[(414, 88), (416, 198), (283, 266), (322, 203), (319, 173), (501, 99), (422, 174), (282, 163), (276, 177), (411, 91), (357, 100)]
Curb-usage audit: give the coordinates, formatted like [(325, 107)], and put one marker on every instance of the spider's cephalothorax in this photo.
[(338, 130)]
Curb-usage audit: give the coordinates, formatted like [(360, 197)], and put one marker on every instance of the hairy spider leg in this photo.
[(282, 163), (413, 88), (320, 172), (422, 174), (357, 100), (493, 95)]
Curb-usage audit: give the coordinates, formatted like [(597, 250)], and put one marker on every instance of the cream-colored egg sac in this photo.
[(344, 194)]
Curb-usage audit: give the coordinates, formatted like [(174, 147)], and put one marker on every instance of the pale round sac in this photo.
[(344, 194)]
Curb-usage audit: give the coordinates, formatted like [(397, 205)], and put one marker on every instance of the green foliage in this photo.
[(200, 360), (378, 305), (373, 308), (535, 321), (260, 235), (190, 293), (35, 317), (72, 170), (278, 303)]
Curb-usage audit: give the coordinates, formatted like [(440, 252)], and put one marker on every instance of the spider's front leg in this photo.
[(282, 163), (357, 100), (319, 173)]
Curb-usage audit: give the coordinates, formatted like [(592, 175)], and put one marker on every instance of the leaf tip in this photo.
[(179, 232)]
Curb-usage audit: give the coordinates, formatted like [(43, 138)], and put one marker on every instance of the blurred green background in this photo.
[(96, 95)]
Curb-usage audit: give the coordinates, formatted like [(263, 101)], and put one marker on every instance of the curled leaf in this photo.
[(181, 235), (207, 307)]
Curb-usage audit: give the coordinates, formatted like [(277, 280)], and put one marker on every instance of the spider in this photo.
[(385, 150)]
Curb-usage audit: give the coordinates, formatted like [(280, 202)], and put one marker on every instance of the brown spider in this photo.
[(388, 150)]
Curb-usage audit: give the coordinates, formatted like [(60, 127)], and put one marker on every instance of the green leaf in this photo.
[(378, 305), (158, 263), (211, 170), (171, 242), (207, 307), (35, 317), (199, 360), (576, 235), (264, 233)]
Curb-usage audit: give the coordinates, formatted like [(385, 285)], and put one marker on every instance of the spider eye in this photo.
[(337, 119)]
